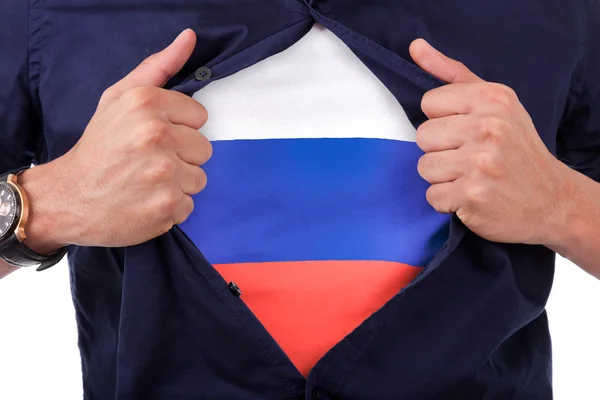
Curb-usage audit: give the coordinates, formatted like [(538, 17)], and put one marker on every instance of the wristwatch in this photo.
[(14, 211)]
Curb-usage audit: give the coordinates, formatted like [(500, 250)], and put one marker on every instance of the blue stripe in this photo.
[(315, 199)]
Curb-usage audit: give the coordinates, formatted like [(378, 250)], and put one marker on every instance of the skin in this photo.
[(486, 162), (130, 177)]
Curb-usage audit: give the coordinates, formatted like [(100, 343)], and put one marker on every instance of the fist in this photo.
[(483, 157), (131, 176)]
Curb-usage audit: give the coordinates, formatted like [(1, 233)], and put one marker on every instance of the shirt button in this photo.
[(316, 395), (235, 289), (203, 73)]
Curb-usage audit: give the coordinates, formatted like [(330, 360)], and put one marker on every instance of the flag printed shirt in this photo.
[(314, 208), (462, 317)]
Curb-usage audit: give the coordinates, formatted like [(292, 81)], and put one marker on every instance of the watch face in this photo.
[(8, 209)]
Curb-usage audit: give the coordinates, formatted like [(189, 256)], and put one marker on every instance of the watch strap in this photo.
[(17, 254)]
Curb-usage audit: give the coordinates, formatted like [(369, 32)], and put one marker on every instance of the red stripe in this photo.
[(309, 306)]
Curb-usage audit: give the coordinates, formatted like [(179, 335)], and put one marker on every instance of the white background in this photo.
[(38, 340)]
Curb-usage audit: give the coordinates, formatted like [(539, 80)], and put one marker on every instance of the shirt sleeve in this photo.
[(578, 141), (21, 141)]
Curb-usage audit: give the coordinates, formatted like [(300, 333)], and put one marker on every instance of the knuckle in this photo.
[(198, 181), (153, 133), (476, 194), (207, 150), (421, 135), (153, 62), (492, 129), (203, 115), (486, 162), (460, 66), (433, 198), (141, 97), (201, 179), (507, 90), (430, 195), (150, 135), (167, 206), (199, 111), (460, 71), (162, 170), (499, 95), (187, 209), (437, 199), (108, 95), (166, 225), (426, 101), (150, 60), (497, 127)]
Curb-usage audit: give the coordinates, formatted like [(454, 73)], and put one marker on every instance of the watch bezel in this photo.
[(17, 227), (15, 222)]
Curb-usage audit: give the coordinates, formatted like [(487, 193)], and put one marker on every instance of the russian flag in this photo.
[(314, 169)]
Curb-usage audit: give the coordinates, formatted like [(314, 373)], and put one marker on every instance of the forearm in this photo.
[(50, 223), (5, 269), (574, 229)]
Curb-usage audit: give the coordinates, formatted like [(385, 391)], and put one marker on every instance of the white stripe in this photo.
[(317, 88)]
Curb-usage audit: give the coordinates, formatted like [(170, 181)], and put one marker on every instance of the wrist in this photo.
[(565, 225), (48, 227)]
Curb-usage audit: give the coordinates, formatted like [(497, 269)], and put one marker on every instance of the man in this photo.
[(324, 273)]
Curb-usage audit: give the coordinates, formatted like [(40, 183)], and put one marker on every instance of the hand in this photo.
[(484, 158), (131, 176)]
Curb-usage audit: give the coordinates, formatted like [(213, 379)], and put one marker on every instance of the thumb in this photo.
[(157, 69), (440, 66)]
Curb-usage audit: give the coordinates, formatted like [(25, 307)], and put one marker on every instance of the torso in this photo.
[(314, 206), (157, 319)]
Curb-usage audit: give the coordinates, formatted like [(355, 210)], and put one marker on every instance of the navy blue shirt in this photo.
[(156, 321)]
